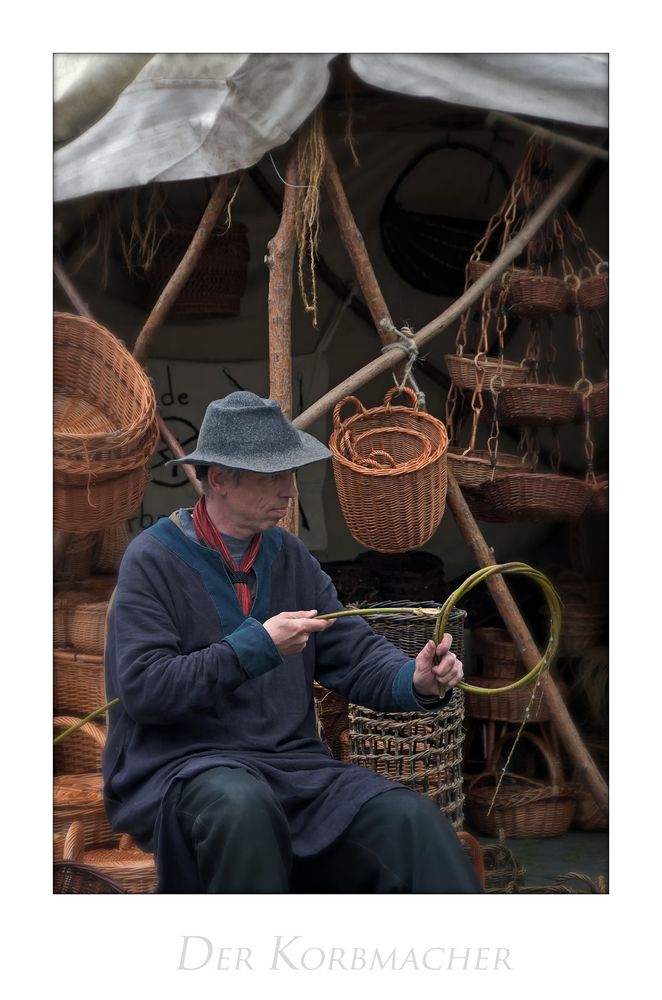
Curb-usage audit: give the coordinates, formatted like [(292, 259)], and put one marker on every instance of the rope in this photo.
[(406, 344)]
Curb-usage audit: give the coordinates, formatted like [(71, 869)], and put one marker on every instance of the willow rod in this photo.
[(448, 316)]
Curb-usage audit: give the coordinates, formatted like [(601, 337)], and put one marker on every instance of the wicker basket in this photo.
[(110, 546), (524, 807), (79, 797), (75, 879), (420, 750), (79, 622), (105, 427), (538, 295), (498, 653), (598, 403), (482, 509), (593, 292), (476, 269), (76, 564), (465, 372), (538, 405), (127, 865), (503, 873), (537, 496), (78, 682), (79, 753), (332, 711), (396, 506), (218, 281), (473, 468), (510, 706), (600, 495)]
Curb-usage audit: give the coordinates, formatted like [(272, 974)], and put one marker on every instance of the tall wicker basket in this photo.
[(420, 750)]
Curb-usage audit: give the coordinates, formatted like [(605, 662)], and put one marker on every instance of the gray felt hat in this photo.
[(244, 431)]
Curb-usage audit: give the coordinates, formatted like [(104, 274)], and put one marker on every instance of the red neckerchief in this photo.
[(207, 532)]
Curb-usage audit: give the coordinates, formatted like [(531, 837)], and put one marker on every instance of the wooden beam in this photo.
[(280, 262), (547, 135), (183, 271)]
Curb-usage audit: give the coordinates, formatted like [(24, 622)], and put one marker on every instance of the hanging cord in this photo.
[(405, 343)]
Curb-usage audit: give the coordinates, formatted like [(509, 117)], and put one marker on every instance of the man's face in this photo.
[(257, 502)]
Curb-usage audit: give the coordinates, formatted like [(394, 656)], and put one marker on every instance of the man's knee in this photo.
[(229, 794)]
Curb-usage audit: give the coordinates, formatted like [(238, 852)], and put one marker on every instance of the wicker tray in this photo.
[(79, 683), (537, 405), (105, 427), (537, 496), (465, 373), (475, 467)]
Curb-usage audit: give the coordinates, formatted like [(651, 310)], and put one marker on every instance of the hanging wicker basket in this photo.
[(538, 405), (537, 496), (473, 468), (523, 807), (78, 682), (105, 427), (392, 490), (477, 268), (598, 403), (420, 750), (127, 865), (466, 370), (80, 752), (538, 295), (600, 495), (218, 282), (593, 291)]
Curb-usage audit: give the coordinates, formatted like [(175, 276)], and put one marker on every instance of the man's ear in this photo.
[(217, 479)]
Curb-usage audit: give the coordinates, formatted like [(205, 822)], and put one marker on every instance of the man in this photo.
[(213, 760)]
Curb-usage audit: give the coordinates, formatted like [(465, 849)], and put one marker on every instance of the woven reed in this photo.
[(81, 752), (130, 867), (218, 281), (537, 496), (538, 404), (420, 750), (75, 879), (78, 681), (332, 712), (510, 706), (110, 546), (475, 468), (538, 295), (464, 372), (79, 622), (390, 508), (105, 427), (76, 563), (80, 797), (502, 869), (498, 653)]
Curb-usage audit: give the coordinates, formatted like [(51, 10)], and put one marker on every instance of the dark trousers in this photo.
[(239, 835)]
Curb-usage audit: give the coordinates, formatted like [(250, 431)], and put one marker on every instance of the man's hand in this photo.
[(428, 675), (290, 630)]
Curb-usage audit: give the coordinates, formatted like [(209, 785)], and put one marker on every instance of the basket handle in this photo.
[(404, 391), (90, 729), (74, 843), (553, 766), (360, 408)]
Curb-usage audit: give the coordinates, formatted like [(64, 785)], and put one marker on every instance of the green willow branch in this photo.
[(441, 615)]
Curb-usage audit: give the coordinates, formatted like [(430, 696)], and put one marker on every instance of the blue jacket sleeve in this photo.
[(156, 680)]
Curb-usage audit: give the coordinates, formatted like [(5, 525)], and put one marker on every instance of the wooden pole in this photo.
[(572, 741), (355, 246), (547, 134), (183, 271), (454, 311), (280, 262), (512, 618)]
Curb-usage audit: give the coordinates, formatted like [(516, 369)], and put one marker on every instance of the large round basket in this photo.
[(468, 372), (79, 622), (538, 295), (78, 682), (537, 405), (392, 490), (105, 427), (537, 496), (420, 750), (473, 468), (216, 286), (80, 752), (523, 807), (80, 797)]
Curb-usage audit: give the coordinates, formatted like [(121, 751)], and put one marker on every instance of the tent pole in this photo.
[(183, 271), (509, 611), (280, 262)]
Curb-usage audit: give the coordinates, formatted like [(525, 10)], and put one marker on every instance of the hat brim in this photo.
[(309, 450)]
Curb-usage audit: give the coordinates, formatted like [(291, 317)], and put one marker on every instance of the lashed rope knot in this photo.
[(405, 343)]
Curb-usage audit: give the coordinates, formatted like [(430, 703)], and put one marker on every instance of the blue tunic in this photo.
[(200, 684)]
